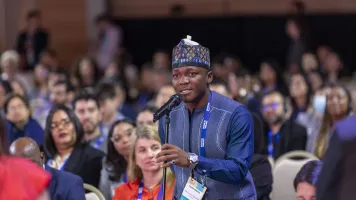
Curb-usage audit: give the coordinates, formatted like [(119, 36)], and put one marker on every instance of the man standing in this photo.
[(87, 110), (209, 133), (63, 185)]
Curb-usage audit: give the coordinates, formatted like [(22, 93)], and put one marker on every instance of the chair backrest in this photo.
[(271, 161), (91, 196), (284, 172), (94, 194)]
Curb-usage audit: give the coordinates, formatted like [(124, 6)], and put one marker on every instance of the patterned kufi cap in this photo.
[(190, 53)]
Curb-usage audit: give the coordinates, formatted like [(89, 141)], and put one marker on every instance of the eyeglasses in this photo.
[(272, 106), (63, 122)]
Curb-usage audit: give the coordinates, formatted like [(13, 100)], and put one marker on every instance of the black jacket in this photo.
[(337, 178), (261, 172), (292, 137), (40, 43), (86, 162)]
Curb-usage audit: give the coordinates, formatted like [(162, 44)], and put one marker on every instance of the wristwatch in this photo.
[(193, 160)]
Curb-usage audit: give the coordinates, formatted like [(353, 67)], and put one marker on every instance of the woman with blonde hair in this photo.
[(144, 173)]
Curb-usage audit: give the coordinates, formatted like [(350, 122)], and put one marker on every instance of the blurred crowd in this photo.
[(85, 115)]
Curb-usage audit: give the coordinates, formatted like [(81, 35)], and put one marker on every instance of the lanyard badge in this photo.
[(195, 190)]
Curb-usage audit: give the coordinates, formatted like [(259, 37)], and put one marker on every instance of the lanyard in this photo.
[(271, 140), (205, 126), (125, 178), (99, 142), (140, 191)]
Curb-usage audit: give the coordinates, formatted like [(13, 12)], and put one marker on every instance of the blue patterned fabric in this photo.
[(188, 54)]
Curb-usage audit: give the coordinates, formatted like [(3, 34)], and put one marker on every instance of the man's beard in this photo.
[(91, 130), (275, 121)]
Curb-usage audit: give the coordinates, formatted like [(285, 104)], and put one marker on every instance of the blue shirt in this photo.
[(32, 129), (234, 167), (229, 147)]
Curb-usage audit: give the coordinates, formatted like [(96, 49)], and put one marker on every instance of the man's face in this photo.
[(191, 82), (88, 113), (17, 111), (145, 118), (273, 108), (33, 23), (108, 107), (163, 95), (58, 95)]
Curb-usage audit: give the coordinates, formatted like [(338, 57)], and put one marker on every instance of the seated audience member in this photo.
[(20, 179), (338, 106), (5, 90), (20, 123), (115, 162), (309, 63), (144, 173), (18, 88), (305, 181), (300, 92), (109, 103), (220, 87), (283, 135), (65, 149), (54, 76), (260, 169), (312, 120), (271, 78), (125, 109), (61, 93), (86, 72), (337, 177), (163, 95), (145, 116), (63, 185), (87, 110)]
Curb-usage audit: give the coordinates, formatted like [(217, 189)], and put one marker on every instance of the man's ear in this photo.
[(210, 76)]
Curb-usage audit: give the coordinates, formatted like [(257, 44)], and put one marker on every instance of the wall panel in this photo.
[(194, 8)]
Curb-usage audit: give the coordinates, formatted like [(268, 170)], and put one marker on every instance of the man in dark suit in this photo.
[(283, 135), (337, 178), (63, 185), (33, 40)]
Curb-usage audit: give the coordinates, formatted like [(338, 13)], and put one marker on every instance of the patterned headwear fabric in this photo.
[(190, 53)]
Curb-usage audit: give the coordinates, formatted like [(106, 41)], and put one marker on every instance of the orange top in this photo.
[(129, 191)]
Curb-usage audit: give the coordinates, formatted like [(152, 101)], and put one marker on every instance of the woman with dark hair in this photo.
[(20, 178), (65, 147), (115, 163), (271, 78), (305, 181), (300, 92), (260, 169), (86, 72)]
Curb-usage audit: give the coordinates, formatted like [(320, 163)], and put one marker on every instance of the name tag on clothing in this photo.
[(193, 190)]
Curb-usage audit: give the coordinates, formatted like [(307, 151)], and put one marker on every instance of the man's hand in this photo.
[(173, 153)]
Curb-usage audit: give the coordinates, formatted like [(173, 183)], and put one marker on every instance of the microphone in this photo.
[(174, 101)]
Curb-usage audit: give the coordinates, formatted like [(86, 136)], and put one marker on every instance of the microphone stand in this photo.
[(168, 120)]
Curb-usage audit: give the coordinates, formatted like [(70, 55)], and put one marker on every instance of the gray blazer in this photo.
[(312, 123), (107, 186)]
